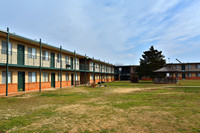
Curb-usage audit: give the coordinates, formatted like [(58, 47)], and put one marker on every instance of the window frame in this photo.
[(197, 74), (9, 77), (188, 66), (45, 55), (197, 66), (189, 74), (58, 76), (4, 47), (33, 53), (58, 58), (31, 77), (45, 77), (92, 77), (76, 77), (67, 59), (67, 77)]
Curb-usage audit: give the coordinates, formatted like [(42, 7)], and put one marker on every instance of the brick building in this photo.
[(33, 65)]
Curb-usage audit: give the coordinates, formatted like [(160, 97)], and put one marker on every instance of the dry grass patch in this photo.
[(130, 90), (77, 89), (121, 109)]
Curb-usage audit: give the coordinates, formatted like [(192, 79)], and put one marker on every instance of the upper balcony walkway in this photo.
[(26, 60)]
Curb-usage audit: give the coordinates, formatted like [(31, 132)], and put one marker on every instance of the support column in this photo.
[(85, 69), (40, 64), (93, 70), (75, 67), (99, 71), (111, 72), (7, 61), (60, 67)]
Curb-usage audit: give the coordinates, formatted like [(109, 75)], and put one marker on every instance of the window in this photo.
[(167, 74), (58, 76), (178, 75), (67, 76), (31, 53), (45, 55), (4, 47), (58, 57), (4, 77), (197, 66), (189, 75), (177, 66), (92, 77), (76, 77), (189, 66), (31, 77), (76, 61), (45, 77), (197, 74), (91, 64), (66, 59)]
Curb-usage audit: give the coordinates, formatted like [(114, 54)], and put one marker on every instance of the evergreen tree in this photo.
[(151, 61)]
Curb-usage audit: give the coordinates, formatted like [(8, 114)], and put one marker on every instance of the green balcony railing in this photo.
[(34, 60), (12, 57)]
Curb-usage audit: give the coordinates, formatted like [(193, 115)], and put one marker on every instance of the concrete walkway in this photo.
[(24, 92)]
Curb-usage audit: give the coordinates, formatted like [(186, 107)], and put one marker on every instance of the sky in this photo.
[(115, 31)]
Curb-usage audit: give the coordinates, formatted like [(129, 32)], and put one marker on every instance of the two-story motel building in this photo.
[(188, 71), (33, 65)]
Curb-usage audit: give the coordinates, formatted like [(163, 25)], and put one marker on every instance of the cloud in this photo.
[(110, 30)]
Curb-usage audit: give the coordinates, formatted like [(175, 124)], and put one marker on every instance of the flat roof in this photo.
[(128, 66), (183, 63)]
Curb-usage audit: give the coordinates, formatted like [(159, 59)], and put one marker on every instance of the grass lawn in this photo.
[(120, 107)]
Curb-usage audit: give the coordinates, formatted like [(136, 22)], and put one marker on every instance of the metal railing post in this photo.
[(7, 62)]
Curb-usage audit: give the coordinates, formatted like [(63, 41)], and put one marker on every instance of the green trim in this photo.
[(49, 68)]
